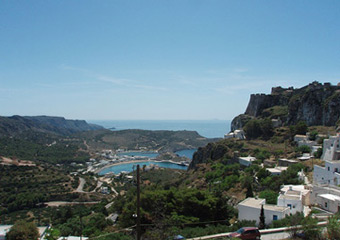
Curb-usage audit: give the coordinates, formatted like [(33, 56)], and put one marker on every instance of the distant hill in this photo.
[(163, 141), (17, 125), (316, 104)]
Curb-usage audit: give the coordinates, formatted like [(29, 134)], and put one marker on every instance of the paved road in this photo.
[(61, 203), (275, 236), (81, 185)]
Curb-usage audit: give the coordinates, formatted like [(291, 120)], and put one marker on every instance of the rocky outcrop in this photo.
[(316, 104), (239, 121), (211, 151)]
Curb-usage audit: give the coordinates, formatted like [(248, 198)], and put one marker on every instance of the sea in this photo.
[(206, 128), (129, 167)]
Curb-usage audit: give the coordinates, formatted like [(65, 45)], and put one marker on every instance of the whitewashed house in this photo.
[(246, 161), (296, 197), (329, 202), (276, 171), (239, 134), (326, 197), (331, 148), (283, 162), (330, 174), (250, 209)]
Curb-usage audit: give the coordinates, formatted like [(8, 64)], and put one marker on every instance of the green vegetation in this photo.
[(303, 149), (25, 187), (178, 206), (275, 112), (256, 128), (273, 183), (270, 196), (300, 128), (63, 152), (23, 230)]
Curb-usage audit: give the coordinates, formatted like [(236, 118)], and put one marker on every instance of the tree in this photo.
[(262, 223), (304, 149), (259, 128), (249, 192), (313, 135), (311, 229), (23, 230), (318, 153), (333, 228), (301, 128), (270, 196)]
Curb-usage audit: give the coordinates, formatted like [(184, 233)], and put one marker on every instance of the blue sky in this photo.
[(161, 59)]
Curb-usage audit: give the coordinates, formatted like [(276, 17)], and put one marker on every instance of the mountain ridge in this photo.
[(16, 125)]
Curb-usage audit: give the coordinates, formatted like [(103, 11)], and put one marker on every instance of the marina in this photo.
[(130, 166)]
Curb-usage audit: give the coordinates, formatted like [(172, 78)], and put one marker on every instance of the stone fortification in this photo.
[(316, 104)]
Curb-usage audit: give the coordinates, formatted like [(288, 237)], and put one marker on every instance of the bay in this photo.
[(129, 167), (139, 154), (186, 153)]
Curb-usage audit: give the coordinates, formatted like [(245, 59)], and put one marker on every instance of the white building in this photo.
[(296, 197), (330, 174), (326, 197), (329, 202), (250, 209), (239, 134), (331, 149), (283, 162), (276, 171), (246, 161), (298, 138)]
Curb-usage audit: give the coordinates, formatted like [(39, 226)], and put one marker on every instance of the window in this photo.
[(328, 168), (325, 205), (274, 217), (289, 205)]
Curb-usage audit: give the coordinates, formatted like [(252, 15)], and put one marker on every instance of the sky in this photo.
[(160, 59)]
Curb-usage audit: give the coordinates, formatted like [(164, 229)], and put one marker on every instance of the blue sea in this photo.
[(183, 153), (129, 167), (206, 128)]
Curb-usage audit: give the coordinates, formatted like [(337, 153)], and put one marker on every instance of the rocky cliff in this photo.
[(316, 104)]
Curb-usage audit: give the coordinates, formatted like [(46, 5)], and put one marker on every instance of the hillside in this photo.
[(316, 104), (163, 141), (19, 125)]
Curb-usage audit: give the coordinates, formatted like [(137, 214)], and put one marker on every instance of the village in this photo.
[(321, 196)]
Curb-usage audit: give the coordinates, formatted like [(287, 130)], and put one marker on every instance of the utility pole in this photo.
[(138, 204), (81, 228)]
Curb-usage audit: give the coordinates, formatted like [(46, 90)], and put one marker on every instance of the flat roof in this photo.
[(276, 169), (288, 160), (257, 202), (252, 202), (290, 197), (274, 207), (249, 158), (330, 197)]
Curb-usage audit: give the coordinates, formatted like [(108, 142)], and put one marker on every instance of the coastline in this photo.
[(133, 161), (120, 163)]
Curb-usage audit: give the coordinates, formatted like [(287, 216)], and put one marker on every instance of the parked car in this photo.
[(247, 233)]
